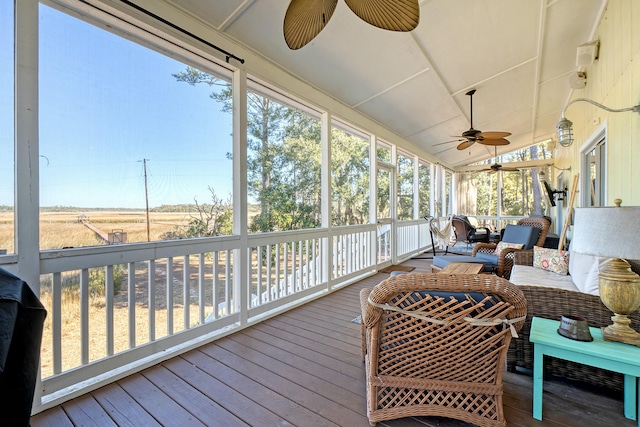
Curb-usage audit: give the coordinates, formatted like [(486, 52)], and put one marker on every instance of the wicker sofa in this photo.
[(551, 303)]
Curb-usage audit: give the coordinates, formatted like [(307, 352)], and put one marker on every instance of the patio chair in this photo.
[(466, 232), (435, 345), (529, 232)]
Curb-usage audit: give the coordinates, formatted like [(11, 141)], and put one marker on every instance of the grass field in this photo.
[(64, 229)]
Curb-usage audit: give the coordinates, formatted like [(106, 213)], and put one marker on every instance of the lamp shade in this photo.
[(611, 232)]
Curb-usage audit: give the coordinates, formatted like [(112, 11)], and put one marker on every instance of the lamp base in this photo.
[(620, 331), (620, 293)]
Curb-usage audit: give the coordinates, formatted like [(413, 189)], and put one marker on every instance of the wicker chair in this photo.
[(446, 363), (466, 232), (552, 303), (505, 258)]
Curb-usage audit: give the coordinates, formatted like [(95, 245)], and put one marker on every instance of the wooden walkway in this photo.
[(300, 368)]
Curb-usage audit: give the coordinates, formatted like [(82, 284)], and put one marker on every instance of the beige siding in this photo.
[(614, 80)]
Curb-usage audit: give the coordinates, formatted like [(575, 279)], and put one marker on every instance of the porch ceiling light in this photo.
[(564, 126)]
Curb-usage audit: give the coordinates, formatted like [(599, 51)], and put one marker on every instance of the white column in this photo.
[(242, 263)]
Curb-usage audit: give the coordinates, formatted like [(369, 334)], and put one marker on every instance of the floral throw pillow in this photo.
[(504, 245), (554, 260)]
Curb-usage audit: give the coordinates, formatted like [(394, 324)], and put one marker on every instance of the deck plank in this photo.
[(244, 408), (304, 397), (257, 392), (122, 408), (54, 417), (304, 372), (206, 410), (86, 411), (348, 373), (301, 368), (157, 403)]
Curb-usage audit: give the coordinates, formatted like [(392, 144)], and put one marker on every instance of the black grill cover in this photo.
[(21, 322)]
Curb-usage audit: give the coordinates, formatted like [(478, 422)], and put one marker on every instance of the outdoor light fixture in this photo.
[(564, 126)]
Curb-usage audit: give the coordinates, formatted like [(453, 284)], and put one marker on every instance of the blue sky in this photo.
[(105, 105)]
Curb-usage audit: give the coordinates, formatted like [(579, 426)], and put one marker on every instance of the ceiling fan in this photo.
[(496, 167), (472, 135), (306, 18)]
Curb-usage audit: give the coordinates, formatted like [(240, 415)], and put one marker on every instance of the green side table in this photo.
[(614, 356)]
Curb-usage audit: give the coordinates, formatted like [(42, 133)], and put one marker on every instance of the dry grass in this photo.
[(97, 314), (63, 230)]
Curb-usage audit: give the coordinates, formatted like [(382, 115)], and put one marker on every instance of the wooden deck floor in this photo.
[(301, 368)]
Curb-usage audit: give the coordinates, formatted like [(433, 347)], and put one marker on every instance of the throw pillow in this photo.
[(591, 283), (554, 260), (504, 245), (579, 267)]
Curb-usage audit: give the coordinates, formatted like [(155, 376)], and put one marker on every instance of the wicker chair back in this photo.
[(435, 345)]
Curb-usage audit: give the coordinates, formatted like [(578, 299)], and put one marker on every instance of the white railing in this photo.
[(412, 238), (117, 309), (351, 251)]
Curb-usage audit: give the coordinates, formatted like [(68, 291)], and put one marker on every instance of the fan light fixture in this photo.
[(565, 126)]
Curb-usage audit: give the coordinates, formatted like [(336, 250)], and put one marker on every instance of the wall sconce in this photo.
[(564, 126)]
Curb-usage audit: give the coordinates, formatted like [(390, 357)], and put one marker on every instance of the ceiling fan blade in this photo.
[(394, 15), (466, 144), (493, 142), (448, 142), (494, 135), (305, 19)]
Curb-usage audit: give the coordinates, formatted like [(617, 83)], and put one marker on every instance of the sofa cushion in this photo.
[(526, 275), (521, 234), (504, 245), (554, 260)]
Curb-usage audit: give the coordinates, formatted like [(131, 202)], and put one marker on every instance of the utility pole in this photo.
[(146, 197)]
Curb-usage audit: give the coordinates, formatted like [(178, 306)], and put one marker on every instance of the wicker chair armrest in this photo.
[(364, 296), (486, 248), (505, 262), (523, 257)]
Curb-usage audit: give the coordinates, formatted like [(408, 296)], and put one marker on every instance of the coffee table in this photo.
[(462, 268)]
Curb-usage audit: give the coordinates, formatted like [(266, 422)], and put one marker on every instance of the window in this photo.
[(349, 176), (424, 189), (448, 202), (7, 132), (477, 194), (284, 164), (517, 193), (125, 128), (383, 153), (593, 165), (405, 187)]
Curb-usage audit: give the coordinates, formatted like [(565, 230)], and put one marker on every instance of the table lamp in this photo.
[(613, 232)]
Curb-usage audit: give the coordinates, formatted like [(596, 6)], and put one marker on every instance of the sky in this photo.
[(105, 105)]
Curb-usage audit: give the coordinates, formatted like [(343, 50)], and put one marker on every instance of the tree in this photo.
[(281, 174)]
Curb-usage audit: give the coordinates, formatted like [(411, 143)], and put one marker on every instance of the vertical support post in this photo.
[(26, 169), (242, 263), (325, 196)]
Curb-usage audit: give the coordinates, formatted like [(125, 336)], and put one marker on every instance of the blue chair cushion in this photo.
[(525, 234), (459, 296), (493, 259), (441, 261)]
